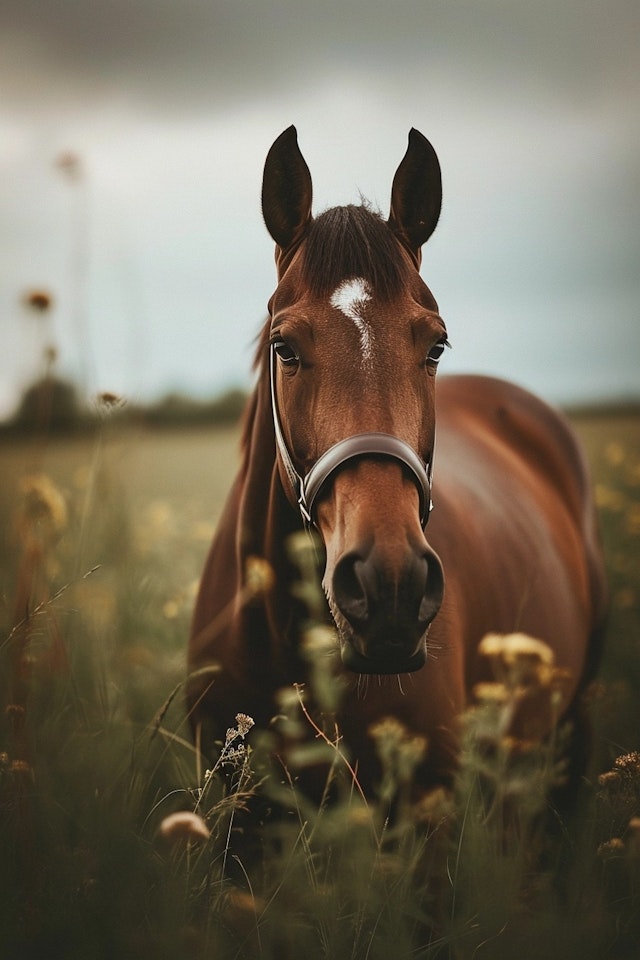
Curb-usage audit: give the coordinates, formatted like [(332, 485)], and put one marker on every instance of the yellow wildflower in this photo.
[(44, 506), (259, 576)]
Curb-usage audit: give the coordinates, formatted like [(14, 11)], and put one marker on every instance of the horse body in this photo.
[(351, 349)]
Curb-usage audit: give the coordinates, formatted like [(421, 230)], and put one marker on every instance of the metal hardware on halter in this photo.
[(306, 489)]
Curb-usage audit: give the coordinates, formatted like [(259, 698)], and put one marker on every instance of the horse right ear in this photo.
[(416, 194), (286, 190)]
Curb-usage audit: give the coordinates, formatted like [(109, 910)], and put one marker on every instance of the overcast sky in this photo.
[(155, 251)]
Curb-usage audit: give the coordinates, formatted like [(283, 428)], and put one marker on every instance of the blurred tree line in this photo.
[(53, 404)]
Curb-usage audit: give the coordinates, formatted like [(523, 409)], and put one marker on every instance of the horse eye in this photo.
[(437, 350), (286, 354)]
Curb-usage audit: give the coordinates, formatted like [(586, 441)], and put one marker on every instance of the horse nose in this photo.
[(387, 612)]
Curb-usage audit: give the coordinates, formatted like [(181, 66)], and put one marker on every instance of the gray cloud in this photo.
[(196, 55), (172, 106)]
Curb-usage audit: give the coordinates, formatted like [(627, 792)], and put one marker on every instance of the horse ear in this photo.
[(416, 194), (286, 190)]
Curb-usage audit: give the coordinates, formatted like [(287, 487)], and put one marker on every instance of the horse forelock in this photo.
[(352, 241)]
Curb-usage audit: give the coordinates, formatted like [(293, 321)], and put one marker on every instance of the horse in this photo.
[(339, 437)]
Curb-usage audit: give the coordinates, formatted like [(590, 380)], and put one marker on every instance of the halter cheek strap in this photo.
[(306, 489)]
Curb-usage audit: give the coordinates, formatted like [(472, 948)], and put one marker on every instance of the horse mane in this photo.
[(351, 241)]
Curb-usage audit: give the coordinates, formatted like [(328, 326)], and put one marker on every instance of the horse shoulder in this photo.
[(512, 480), (511, 422)]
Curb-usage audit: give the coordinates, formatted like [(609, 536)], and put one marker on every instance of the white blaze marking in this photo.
[(351, 298)]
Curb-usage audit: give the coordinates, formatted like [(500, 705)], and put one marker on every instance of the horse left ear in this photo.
[(416, 194), (286, 190)]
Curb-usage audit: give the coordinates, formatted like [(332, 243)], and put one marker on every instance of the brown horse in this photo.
[(340, 434)]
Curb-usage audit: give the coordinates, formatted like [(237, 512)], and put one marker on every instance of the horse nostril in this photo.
[(349, 590), (424, 613), (433, 589)]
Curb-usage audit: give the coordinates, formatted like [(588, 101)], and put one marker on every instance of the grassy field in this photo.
[(103, 541)]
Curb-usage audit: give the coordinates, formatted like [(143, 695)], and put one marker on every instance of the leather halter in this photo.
[(306, 489)]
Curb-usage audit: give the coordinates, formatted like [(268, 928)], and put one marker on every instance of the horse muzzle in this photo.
[(384, 616)]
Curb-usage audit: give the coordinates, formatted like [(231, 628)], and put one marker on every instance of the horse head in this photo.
[(354, 342)]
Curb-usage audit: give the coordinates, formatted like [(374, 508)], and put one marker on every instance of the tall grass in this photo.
[(117, 841)]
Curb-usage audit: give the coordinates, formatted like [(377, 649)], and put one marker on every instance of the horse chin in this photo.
[(391, 662)]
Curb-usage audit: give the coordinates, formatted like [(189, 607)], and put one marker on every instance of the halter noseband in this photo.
[(306, 489)]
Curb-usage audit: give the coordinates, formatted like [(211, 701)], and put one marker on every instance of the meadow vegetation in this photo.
[(118, 840)]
